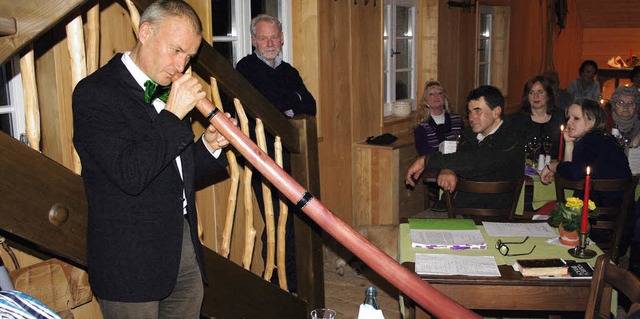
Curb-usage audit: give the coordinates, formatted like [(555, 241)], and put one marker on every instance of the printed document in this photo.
[(519, 229), (442, 264)]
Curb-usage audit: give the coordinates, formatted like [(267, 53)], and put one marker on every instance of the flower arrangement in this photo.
[(569, 214)]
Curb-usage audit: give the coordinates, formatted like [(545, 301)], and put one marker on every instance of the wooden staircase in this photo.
[(43, 204)]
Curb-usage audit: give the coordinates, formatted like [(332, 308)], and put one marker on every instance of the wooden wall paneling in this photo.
[(54, 93), (116, 33), (601, 44), (375, 197), (500, 48), (456, 62), (306, 50), (366, 65), (335, 93), (525, 49), (567, 47), (427, 47)]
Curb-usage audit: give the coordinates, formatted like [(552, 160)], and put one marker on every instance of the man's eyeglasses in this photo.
[(502, 247), (626, 105)]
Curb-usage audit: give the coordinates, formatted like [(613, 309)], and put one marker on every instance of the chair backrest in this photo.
[(611, 218), (609, 275), (513, 188)]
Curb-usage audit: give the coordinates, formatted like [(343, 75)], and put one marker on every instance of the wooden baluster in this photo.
[(282, 224), (234, 169), (268, 208), (31, 106), (93, 39), (75, 44), (135, 16), (250, 231)]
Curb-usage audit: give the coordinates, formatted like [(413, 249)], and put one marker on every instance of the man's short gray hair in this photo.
[(162, 9), (263, 17)]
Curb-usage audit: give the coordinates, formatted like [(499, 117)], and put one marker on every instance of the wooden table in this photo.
[(511, 291)]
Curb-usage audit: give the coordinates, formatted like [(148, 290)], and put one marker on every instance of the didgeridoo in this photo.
[(406, 281)]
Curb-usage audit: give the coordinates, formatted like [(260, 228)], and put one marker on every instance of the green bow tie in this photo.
[(152, 91)]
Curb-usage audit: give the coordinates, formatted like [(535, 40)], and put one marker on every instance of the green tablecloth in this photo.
[(542, 194), (543, 249)]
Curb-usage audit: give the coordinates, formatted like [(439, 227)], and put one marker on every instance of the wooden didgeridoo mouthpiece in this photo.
[(407, 281)]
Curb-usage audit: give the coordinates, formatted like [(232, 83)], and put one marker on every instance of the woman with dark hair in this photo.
[(586, 86), (539, 119), (434, 123), (587, 143)]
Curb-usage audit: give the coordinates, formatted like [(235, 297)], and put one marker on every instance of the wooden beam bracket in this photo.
[(8, 26)]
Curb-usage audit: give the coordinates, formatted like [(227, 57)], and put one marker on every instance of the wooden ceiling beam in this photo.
[(8, 26)]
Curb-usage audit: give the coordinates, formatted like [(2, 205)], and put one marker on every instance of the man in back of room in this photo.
[(282, 85)]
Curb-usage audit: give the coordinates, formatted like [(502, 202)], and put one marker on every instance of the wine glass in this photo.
[(323, 313), (546, 144), (534, 144)]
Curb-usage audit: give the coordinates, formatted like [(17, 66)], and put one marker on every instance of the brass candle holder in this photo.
[(581, 251)]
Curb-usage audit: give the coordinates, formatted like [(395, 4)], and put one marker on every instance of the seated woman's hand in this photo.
[(546, 176)]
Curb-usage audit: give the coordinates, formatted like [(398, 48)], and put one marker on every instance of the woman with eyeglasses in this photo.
[(625, 123), (434, 122), (434, 125)]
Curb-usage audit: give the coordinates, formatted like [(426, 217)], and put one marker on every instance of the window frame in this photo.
[(389, 68), (15, 97), (488, 10), (240, 36)]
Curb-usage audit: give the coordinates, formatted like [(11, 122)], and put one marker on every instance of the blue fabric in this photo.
[(18, 305), (606, 159)]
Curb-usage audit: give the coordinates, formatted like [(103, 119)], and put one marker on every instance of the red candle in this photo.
[(585, 202), (560, 151)]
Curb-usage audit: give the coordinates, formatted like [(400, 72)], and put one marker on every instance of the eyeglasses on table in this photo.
[(502, 247)]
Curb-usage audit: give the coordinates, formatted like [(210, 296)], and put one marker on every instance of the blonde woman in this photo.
[(435, 123)]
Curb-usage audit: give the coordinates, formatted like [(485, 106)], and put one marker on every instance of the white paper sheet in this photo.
[(441, 264), (452, 239), (519, 229)]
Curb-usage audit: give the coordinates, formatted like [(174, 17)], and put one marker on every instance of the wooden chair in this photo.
[(608, 275), (513, 188), (611, 218)]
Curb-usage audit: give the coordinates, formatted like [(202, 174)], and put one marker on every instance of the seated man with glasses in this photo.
[(487, 151), (624, 123)]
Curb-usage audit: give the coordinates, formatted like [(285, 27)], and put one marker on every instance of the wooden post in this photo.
[(282, 224), (93, 38), (31, 106), (250, 231), (234, 172), (135, 16), (75, 44), (269, 264)]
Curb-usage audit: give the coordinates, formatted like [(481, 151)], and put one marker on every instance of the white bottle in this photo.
[(369, 309)]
